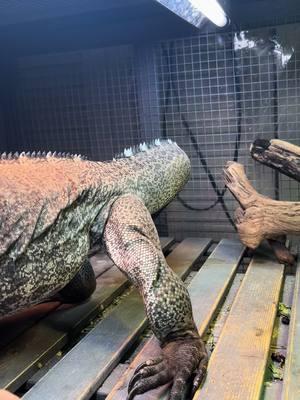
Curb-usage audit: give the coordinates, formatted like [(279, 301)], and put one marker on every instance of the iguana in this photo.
[(54, 207)]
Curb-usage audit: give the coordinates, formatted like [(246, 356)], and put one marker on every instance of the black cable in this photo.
[(164, 133), (220, 194), (237, 139), (201, 156)]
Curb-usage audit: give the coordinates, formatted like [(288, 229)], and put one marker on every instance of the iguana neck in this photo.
[(155, 174)]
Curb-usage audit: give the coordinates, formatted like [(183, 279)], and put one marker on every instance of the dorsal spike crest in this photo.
[(39, 154), (144, 147), (128, 152)]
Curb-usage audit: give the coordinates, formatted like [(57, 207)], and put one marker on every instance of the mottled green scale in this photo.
[(55, 207)]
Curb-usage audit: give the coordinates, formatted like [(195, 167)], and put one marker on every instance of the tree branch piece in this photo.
[(278, 154), (260, 217)]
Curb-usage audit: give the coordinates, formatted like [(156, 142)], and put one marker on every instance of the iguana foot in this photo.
[(180, 361)]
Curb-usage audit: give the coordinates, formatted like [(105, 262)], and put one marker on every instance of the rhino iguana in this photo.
[(53, 208)]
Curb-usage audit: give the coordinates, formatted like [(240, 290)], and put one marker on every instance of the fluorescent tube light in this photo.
[(196, 11), (212, 10)]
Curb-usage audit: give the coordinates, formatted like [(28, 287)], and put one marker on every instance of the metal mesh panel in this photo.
[(218, 93), (212, 93), (79, 102), (3, 142)]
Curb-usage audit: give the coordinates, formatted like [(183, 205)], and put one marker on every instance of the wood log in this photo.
[(278, 154), (260, 217)]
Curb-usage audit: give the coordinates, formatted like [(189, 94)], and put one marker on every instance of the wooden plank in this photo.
[(237, 365), (111, 380), (14, 325), (100, 263), (273, 388), (166, 242), (100, 351), (92, 359), (186, 254), (207, 290), (291, 382), (36, 345)]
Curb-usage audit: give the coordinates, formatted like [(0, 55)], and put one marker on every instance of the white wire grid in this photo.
[(200, 91)]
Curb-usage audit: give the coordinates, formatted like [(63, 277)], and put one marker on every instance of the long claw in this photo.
[(180, 361), (149, 383), (144, 372), (147, 363), (200, 375)]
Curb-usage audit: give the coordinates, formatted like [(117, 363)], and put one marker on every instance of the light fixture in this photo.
[(195, 11), (212, 10)]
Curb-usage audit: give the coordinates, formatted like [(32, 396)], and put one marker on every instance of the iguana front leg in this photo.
[(132, 242)]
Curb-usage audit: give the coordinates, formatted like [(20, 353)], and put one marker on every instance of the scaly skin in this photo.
[(54, 208)]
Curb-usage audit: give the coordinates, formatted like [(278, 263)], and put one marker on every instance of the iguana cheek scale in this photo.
[(53, 207)]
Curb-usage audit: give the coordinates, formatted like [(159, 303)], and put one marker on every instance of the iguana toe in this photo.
[(183, 361)]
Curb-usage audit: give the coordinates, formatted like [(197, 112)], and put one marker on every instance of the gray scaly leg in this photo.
[(132, 242)]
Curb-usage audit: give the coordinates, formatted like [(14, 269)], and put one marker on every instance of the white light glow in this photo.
[(212, 10)]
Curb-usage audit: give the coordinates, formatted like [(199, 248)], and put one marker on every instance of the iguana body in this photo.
[(53, 208)]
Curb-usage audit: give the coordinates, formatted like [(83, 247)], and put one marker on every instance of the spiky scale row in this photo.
[(39, 154), (132, 151)]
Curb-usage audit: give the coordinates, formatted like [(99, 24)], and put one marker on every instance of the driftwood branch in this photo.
[(260, 217), (280, 155)]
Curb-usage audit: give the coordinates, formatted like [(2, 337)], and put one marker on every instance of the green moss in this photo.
[(284, 310)]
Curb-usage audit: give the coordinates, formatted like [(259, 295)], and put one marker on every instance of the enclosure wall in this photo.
[(213, 93)]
